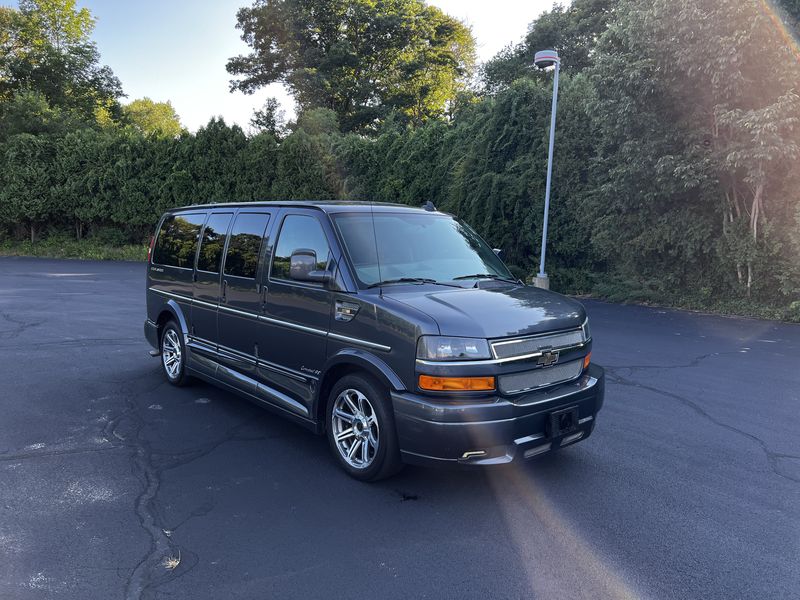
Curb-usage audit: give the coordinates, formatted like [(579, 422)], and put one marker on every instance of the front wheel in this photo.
[(360, 429)]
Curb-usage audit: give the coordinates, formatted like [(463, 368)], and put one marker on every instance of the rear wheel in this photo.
[(173, 354), (360, 428)]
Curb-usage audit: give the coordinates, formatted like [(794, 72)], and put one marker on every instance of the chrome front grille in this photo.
[(515, 383), (533, 344)]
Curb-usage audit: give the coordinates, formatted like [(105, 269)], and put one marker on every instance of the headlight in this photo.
[(587, 335), (434, 347)]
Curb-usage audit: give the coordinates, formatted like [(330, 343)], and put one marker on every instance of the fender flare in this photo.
[(366, 361), (175, 309)]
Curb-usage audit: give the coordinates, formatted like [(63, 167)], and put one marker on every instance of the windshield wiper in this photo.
[(418, 280), (485, 276)]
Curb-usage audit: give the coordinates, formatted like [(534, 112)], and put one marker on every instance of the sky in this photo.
[(176, 50)]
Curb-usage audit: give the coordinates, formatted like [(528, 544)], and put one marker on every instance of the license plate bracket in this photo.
[(563, 422)]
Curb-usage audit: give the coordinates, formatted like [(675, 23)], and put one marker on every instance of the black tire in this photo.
[(385, 460), (170, 340)]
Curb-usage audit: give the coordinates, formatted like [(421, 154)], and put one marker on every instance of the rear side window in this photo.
[(299, 232), (177, 240), (213, 242), (245, 244)]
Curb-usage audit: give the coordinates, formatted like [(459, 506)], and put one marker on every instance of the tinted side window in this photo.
[(299, 231), (213, 242), (245, 244), (177, 240)]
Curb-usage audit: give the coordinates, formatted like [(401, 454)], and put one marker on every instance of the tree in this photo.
[(153, 118), (26, 183), (360, 58), (573, 31), (709, 143), (46, 48), (269, 118)]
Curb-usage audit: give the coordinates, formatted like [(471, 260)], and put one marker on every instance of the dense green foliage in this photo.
[(46, 52), (677, 136), (361, 58), (152, 118)]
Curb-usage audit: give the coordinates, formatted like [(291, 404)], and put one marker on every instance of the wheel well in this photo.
[(162, 320), (333, 375)]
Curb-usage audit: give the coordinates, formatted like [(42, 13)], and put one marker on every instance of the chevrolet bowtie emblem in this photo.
[(548, 358)]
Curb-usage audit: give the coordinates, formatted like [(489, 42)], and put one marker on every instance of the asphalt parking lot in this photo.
[(115, 485)]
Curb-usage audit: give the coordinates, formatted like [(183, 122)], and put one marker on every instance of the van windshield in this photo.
[(415, 247)]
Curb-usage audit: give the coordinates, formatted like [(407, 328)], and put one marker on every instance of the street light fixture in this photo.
[(543, 60)]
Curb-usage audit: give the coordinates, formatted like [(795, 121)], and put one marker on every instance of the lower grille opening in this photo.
[(515, 383)]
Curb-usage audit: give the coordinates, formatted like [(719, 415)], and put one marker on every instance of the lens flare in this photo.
[(773, 14)]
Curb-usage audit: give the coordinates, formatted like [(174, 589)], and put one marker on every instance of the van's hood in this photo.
[(493, 312)]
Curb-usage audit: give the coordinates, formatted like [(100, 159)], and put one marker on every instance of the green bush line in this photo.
[(64, 247)]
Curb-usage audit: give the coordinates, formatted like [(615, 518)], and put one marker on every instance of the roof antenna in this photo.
[(377, 254), (429, 206)]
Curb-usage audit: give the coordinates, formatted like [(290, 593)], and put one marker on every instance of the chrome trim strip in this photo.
[(535, 335), (289, 324), (284, 371), (488, 361), (529, 438), (589, 383), (241, 313), (536, 450), (201, 340), (249, 358), (344, 338), (170, 294), (517, 340), (203, 303), (584, 420), (236, 355)]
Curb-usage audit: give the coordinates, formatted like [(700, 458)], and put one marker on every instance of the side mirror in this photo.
[(303, 267)]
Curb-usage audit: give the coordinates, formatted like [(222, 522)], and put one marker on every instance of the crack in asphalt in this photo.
[(149, 465), (695, 362), (22, 326), (772, 457)]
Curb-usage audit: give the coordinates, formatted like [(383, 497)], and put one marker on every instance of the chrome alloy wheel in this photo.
[(355, 428), (171, 353)]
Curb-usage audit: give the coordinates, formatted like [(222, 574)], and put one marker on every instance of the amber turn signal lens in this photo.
[(587, 359), (456, 384)]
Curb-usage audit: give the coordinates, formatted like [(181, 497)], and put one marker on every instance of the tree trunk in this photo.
[(727, 221), (755, 212), (749, 277), (33, 232)]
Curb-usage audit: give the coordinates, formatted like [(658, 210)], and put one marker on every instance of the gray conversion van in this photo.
[(396, 331)]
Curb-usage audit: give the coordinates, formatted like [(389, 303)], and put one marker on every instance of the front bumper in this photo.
[(498, 431)]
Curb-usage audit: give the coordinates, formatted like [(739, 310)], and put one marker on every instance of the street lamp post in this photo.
[(543, 60)]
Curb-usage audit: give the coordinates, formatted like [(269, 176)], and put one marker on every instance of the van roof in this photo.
[(329, 206)]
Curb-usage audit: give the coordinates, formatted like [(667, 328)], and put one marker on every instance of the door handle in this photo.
[(224, 290)]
